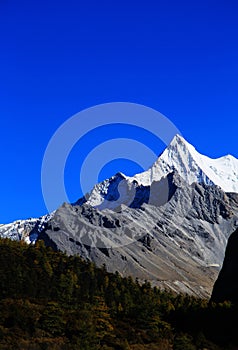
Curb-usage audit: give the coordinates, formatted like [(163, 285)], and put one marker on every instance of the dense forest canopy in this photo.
[(49, 300)]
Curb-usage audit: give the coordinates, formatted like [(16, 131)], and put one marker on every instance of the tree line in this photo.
[(49, 300)]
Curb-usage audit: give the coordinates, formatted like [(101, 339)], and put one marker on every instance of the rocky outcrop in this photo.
[(226, 286)]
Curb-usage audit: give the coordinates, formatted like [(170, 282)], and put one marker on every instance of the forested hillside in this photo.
[(51, 301)]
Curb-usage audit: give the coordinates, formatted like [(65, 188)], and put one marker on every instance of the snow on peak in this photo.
[(26, 230), (186, 160), (193, 166)]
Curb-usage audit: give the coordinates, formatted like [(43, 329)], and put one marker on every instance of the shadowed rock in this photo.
[(226, 286)]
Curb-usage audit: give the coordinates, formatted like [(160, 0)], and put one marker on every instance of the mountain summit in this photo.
[(195, 167), (179, 156)]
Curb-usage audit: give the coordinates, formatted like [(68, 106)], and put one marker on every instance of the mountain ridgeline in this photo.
[(168, 225)]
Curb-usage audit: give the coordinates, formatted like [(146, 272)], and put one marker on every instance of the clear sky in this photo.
[(59, 57)]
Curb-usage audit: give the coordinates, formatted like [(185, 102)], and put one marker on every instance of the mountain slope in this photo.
[(179, 245), (169, 224)]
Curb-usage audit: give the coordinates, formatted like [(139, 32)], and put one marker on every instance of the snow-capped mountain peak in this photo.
[(193, 167), (179, 156)]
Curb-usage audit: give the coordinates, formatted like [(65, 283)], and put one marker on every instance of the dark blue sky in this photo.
[(59, 57)]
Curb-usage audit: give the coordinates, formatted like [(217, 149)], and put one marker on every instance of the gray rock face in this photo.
[(177, 245), (226, 286)]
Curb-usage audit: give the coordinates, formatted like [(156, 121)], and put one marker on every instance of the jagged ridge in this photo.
[(179, 156)]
